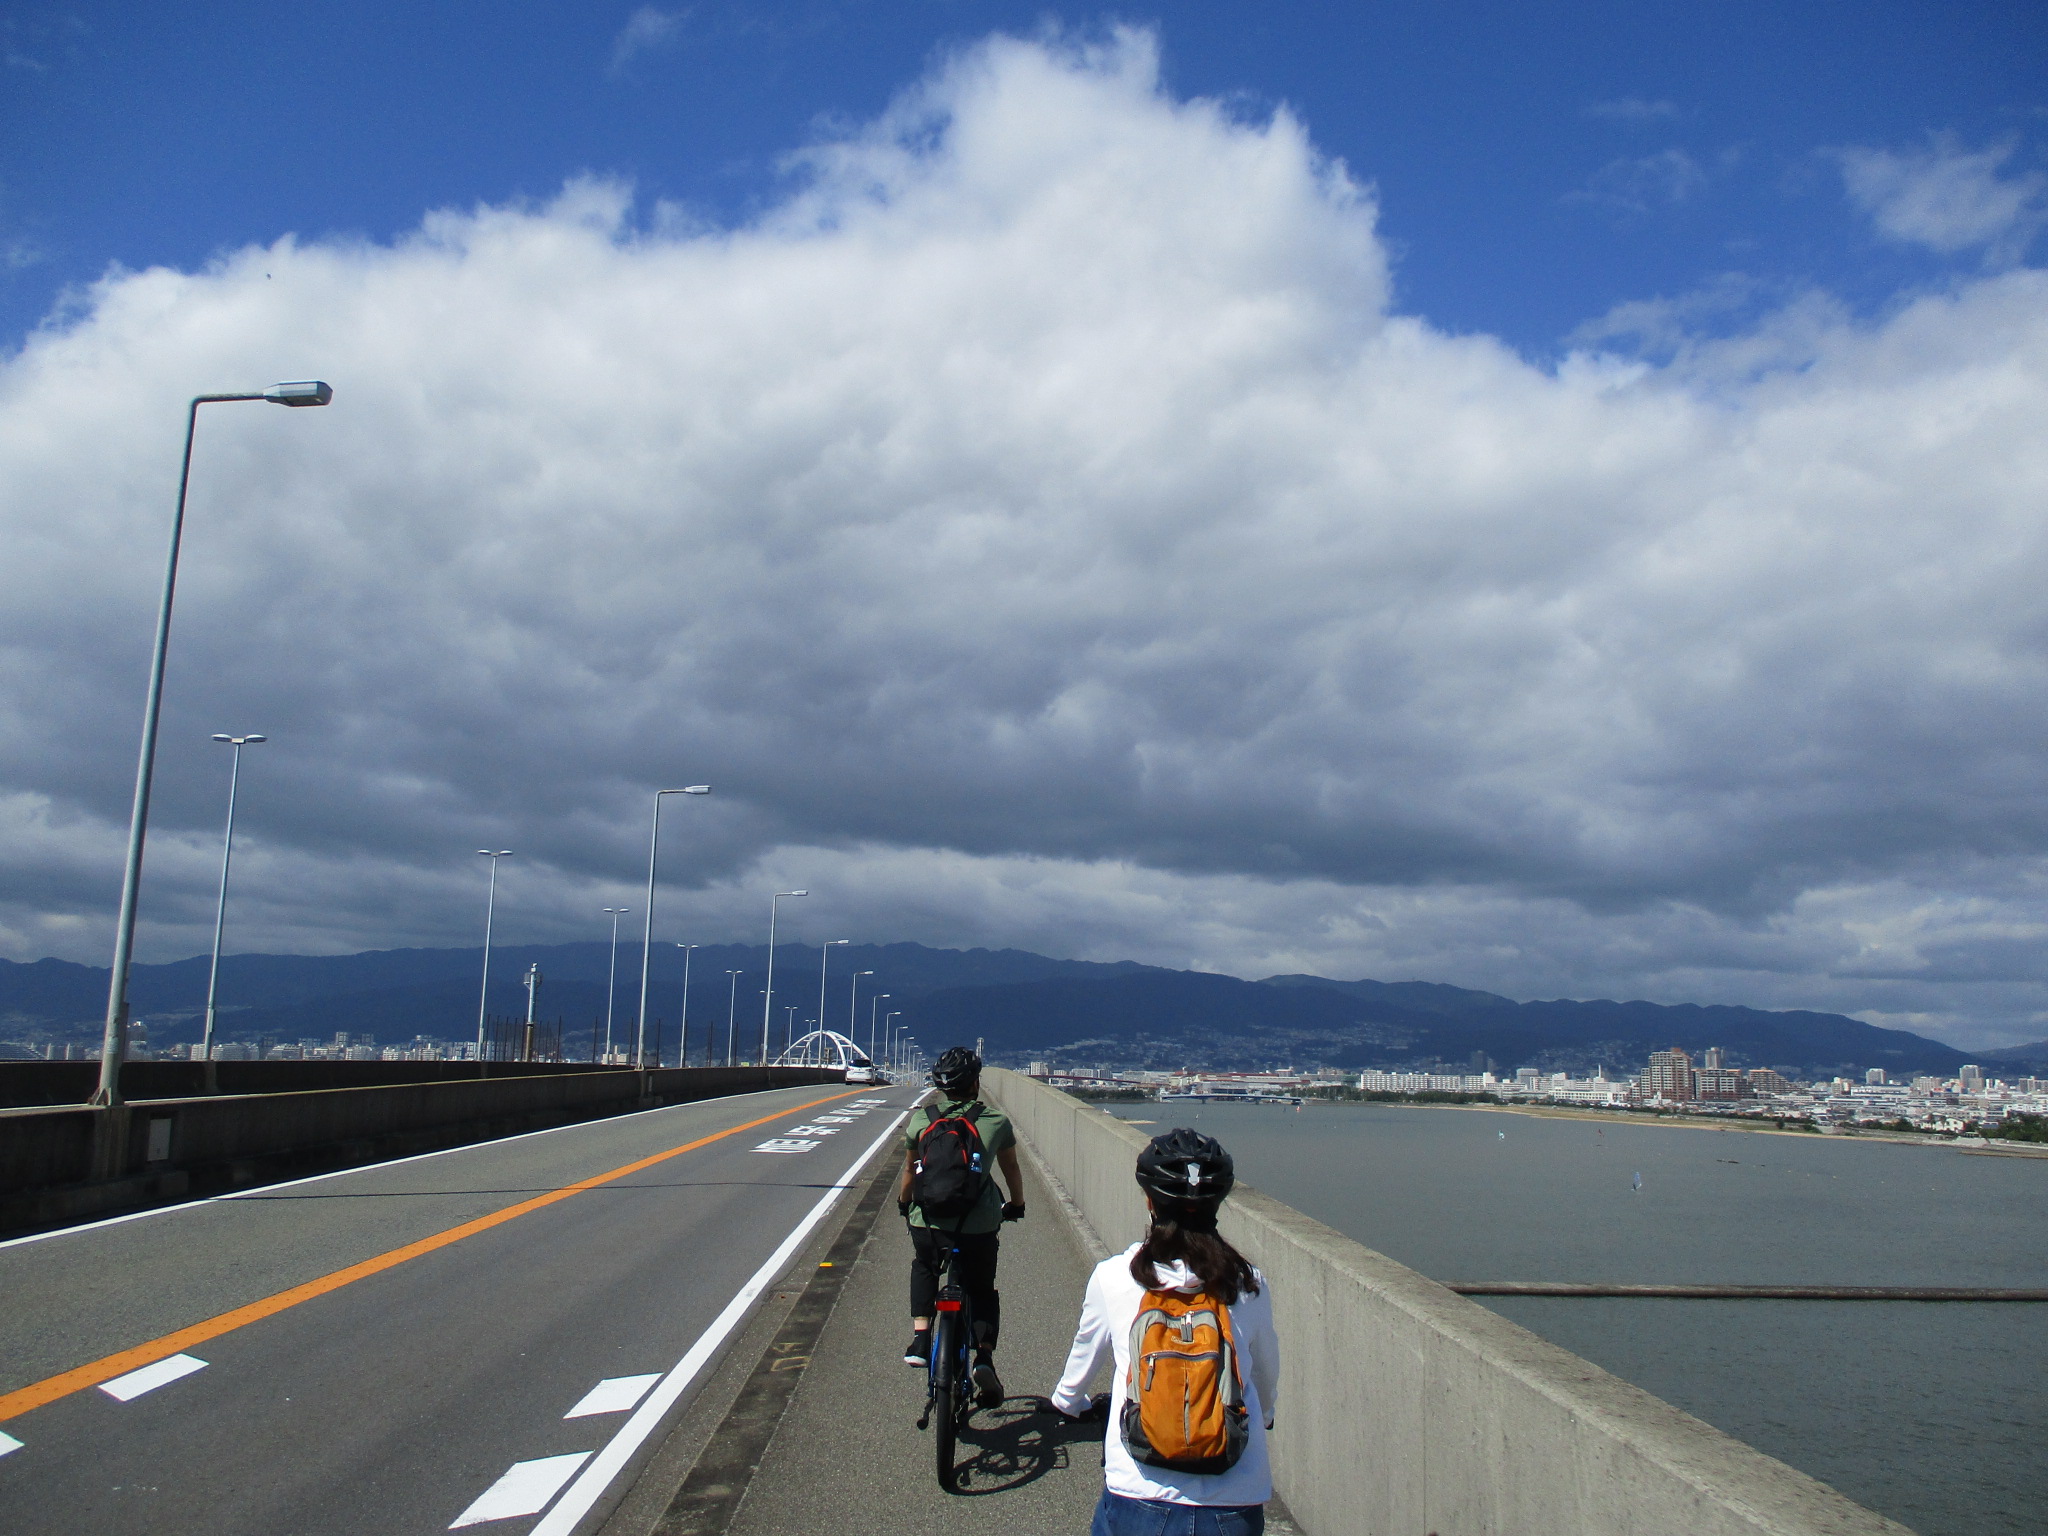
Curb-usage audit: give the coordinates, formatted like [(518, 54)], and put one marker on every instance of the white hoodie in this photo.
[(1107, 1312)]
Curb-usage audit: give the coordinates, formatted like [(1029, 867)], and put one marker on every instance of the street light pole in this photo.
[(824, 954), (768, 997), (853, 1004), (732, 1006), (683, 1029), (788, 1028), (220, 912), (110, 1149), (647, 933), (490, 910), (879, 999), (611, 993)]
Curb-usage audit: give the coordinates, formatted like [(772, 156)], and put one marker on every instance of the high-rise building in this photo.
[(1716, 1058), (1669, 1076), (1972, 1079), (1763, 1080), (1719, 1083), (1874, 1078)]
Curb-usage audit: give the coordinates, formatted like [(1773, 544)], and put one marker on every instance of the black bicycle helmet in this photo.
[(1185, 1168), (956, 1071)]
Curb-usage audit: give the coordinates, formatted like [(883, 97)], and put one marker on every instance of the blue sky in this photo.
[(1536, 164), (1558, 508)]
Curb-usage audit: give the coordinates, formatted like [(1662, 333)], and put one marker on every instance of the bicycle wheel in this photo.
[(946, 1387)]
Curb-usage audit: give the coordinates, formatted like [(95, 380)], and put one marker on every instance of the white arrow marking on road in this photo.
[(8, 1443), (150, 1377), (605, 1468), (615, 1394), (524, 1490)]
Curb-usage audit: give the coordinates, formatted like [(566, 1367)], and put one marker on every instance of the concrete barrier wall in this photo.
[(74, 1082), (1406, 1409), (180, 1146)]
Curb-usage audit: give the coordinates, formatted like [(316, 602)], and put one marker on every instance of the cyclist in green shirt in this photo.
[(956, 1079)]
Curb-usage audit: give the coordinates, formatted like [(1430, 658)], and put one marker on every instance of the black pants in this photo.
[(974, 1271)]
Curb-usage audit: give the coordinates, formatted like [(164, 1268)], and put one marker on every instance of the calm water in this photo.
[(1937, 1415)]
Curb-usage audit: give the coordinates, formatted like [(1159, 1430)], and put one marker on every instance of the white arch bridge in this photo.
[(823, 1048)]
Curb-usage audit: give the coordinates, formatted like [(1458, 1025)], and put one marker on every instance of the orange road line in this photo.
[(38, 1394)]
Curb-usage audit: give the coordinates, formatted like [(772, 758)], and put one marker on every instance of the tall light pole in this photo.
[(220, 912), (647, 933), (611, 993), (732, 1007), (824, 954), (490, 910), (789, 1028), (890, 1047), (683, 1029), (109, 1143), (768, 997), (880, 998), (853, 1004)]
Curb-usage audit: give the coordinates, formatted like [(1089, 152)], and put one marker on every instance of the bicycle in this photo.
[(950, 1396)]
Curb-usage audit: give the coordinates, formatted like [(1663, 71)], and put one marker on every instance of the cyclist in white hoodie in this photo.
[(1185, 1176)]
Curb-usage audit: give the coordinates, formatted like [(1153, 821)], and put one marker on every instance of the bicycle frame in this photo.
[(948, 1396)]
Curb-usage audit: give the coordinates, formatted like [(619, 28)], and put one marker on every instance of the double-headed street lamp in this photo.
[(483, 1001), (220, 912), (768, 997), (110, 1148), (647, 933)]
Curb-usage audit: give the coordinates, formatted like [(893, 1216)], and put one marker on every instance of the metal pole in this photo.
[(490, 912), (853, 1004), (683, 1029), (789, 1028), (768, 997), (532, 987), (824, 955), (220, 912), (732, 1004), (114, 1039), (611, 995), (879, 999), (647, 932)]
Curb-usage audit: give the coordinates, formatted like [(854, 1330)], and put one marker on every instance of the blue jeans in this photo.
[(1116, 1515)]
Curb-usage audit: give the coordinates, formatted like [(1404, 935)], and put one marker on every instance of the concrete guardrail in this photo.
[(1406, 1409), (179, 1147)]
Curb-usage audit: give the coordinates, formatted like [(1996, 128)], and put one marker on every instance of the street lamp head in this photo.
[(301, 392), (238, 741), (830, 942), (502, 853), (689, 946), (698, 789)]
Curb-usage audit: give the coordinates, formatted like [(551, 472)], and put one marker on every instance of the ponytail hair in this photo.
[(1187, 1232)]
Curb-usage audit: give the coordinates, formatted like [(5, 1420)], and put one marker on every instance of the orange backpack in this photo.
[(1183, 1398)]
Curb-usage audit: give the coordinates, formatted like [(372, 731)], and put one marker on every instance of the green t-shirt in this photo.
[(996, 1134)]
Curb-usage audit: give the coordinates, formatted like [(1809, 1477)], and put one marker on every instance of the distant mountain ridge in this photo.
[(1023, 1005)]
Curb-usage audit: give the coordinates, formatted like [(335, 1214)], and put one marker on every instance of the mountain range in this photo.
[(1023, 1006)]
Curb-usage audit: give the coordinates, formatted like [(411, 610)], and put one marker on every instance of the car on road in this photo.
[(860, 1074)]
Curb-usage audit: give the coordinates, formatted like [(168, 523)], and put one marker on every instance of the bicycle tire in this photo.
[(946, 1386)]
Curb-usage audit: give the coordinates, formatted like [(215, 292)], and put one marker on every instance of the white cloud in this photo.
[(645, 30), (1041, 531), (1636, 184), (1948, 198)]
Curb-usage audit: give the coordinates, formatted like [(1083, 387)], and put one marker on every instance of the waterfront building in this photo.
[(1669, 1076)]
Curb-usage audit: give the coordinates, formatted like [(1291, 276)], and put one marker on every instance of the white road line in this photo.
[(257, 1190), (615, 1394), (523, 1490), (605, 1467), (784, 1144), (150, 1377), (8, 1444)]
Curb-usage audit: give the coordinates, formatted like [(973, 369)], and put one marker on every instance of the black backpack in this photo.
[(950, 1171)]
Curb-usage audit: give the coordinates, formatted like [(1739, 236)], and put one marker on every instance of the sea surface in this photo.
[(1934, 1414)]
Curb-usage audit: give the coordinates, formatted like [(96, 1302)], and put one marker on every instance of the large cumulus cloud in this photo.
[(1043, 528)]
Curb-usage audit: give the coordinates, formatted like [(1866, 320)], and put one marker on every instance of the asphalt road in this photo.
[(399, 1348)]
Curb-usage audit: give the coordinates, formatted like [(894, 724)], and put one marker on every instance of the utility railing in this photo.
[(1406, 1409)]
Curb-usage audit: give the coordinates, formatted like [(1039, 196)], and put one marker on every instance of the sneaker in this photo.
[(988, 1386), (919, 1350)]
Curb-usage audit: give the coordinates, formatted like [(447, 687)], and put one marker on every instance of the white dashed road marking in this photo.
[(150, 1377), (524, 1490), (784, 1144), (615, 1394)]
